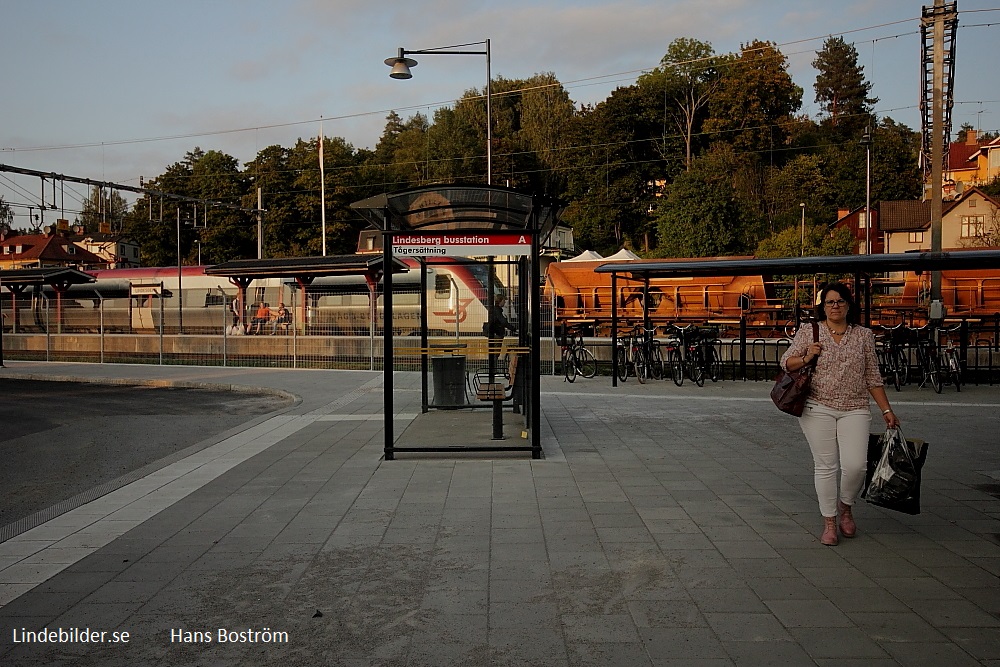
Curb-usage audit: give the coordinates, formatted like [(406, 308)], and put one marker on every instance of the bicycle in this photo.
[(891, 356), (694, 353), (927, 358), (577, 359), (951, 365)]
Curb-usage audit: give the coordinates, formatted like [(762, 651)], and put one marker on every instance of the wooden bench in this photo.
[(496, 391)]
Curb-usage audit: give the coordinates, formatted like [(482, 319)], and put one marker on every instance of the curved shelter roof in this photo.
[(54, 275), (461, 208), (297, 267)]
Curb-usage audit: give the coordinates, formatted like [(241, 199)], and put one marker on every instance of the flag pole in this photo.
[(322, 186)]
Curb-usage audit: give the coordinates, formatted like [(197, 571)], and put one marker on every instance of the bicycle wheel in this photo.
[(586, 364), (641, 366), (569, 365), (622, 363), (698, 366), (934, 372), (956, 371), (656, 363), (676, 367), (902, 364), (714, 365)]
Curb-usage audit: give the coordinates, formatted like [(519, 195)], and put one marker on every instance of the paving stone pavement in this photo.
[(664, 526)]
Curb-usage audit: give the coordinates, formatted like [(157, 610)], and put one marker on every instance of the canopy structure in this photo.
[(241, 272), (303, 267), (586, 256), (461, 207), (60, 278), (623, 255), (469, 221)]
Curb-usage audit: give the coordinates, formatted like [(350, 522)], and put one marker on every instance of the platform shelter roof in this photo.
[(461, 208), (304, 267), (55, 275)]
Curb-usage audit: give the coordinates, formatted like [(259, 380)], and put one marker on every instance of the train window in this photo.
[(442, 286)]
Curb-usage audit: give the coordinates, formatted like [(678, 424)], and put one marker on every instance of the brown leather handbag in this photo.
[(791, 388)]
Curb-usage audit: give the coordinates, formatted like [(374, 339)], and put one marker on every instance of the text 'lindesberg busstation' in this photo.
[(464, 245)]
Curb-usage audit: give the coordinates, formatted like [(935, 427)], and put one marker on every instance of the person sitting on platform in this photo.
[(281, 318), (262, 317)]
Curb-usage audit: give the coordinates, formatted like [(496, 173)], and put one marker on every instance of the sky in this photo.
[(113, 90)]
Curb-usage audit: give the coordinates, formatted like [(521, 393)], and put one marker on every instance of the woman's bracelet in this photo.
[(887, 411)]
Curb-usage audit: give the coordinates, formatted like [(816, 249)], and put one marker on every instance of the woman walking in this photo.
[(837, 415)]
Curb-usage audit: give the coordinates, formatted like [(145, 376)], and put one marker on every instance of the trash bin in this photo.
[(449, 381)]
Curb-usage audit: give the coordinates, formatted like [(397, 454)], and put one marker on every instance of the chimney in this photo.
[(970, 138)]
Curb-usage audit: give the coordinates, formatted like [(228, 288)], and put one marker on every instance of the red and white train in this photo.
[(138, 300)]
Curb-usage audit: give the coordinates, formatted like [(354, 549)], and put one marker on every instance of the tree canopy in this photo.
[(704, 154)]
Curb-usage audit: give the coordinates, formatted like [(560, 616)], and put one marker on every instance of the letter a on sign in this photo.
[(522, 240)]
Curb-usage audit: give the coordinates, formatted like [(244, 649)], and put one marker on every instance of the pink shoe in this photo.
[(847, 526), (829, 537)]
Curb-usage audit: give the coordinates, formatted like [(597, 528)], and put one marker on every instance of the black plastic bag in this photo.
[(893, 477)]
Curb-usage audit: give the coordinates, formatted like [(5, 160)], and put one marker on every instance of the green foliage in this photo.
[(841, 89), (819, 240), (687, 77), (6, 214), (701, 216), (753, 106), (100, 207)]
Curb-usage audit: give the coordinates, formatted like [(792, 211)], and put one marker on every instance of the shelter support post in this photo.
[(387, 361), (614, 329)]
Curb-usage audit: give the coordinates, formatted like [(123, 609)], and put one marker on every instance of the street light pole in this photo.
[(401, 70), (866, 140), (802, 241)]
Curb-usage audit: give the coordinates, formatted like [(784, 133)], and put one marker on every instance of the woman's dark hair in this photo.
[(853, 312)]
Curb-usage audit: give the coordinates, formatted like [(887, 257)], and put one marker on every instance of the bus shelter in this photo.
[(862, 267), (496, 226)]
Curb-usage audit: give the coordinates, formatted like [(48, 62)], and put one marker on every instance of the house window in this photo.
[(973, 226), (972, 203), (916, 237)]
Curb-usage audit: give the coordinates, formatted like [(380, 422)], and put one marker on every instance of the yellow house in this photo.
[(972, 163), (971, 220)]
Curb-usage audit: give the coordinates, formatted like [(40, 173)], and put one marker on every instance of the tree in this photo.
[(753, 105), (612, 187), (6, 215), (103, 210), (841, 89), (819, 240), (701, 216), (688, 77)]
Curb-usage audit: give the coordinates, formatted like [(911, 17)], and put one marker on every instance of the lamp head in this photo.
[(400, 66)]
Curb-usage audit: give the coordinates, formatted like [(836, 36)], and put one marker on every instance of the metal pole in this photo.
[(260, 226), (937, 142), (802, 234), (489, 119), (180, 299), (868, 197)]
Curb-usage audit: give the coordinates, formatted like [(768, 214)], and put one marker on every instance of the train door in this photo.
[(145, 306)]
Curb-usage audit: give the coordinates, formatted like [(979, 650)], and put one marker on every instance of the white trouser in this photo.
[(838, 440)]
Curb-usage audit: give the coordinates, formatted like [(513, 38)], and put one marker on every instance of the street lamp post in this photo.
[(401, 70), (866, 141), (802, 234)]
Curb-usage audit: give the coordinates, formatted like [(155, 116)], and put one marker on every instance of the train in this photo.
[(142, 299)]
